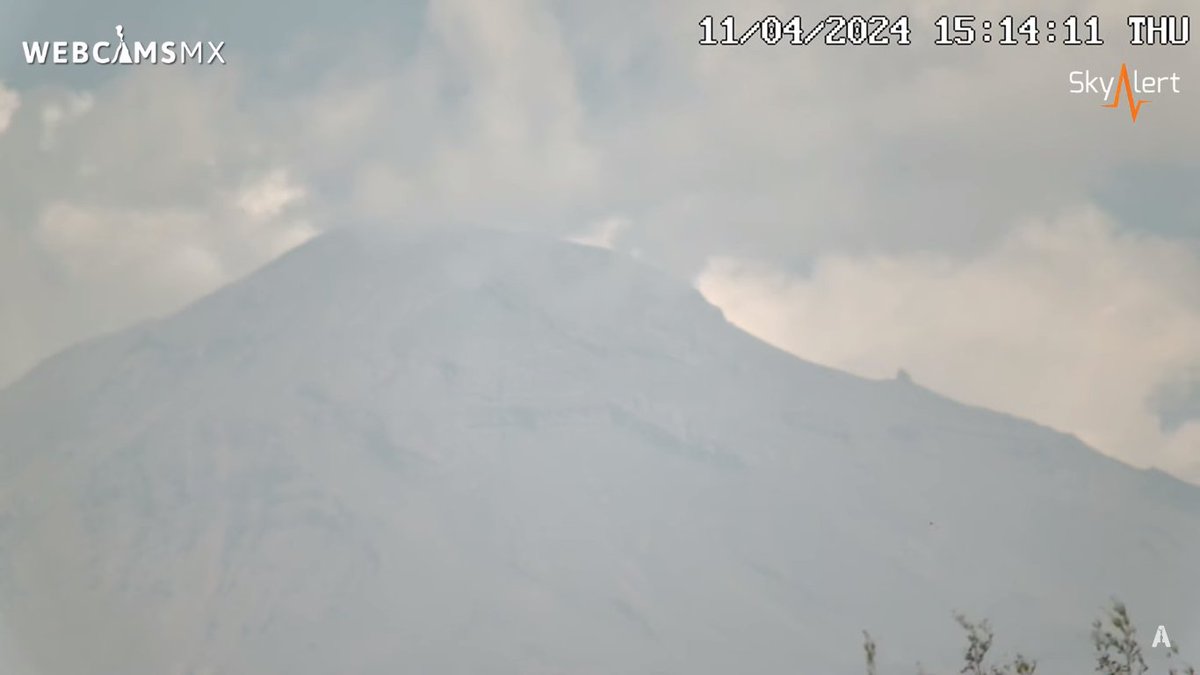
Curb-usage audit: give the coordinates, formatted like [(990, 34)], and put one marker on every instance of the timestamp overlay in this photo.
[(1122, 85), (962, 30)]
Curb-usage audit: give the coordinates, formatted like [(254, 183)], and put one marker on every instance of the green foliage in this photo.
[(1185, 669), (979, 643), (1117, 648), (869, 648), (1114, 639), (1118, 651)]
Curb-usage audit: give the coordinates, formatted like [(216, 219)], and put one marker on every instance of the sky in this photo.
[(952, 211)]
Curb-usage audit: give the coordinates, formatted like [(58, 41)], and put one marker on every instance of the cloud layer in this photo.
[(869, 185), (125, 204), (1068, 322)]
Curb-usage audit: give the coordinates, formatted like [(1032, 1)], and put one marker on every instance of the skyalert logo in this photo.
[(105, 53), (1124, 85)]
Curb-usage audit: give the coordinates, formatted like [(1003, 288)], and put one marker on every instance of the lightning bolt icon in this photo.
[(1123, 82)]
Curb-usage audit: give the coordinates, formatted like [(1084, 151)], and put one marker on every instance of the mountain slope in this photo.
[(475, 452)]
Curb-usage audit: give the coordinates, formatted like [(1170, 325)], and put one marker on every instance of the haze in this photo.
[(954, 212)]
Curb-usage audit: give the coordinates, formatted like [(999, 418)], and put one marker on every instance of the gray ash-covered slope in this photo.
[(475, 453)]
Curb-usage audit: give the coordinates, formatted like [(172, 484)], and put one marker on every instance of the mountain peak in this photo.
[(474, 451)]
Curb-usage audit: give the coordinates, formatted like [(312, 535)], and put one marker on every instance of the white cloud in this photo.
[(62, 110), (160, 189), (1071, 323), (603, 234), (519, 125), (484, 123), (135, 263), (544, 114), (269, 196), (10, 101)]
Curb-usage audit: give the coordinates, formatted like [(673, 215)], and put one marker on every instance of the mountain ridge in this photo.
[(359, 240), (548, 456)]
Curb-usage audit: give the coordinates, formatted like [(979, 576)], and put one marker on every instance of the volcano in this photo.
[(476, 452)]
